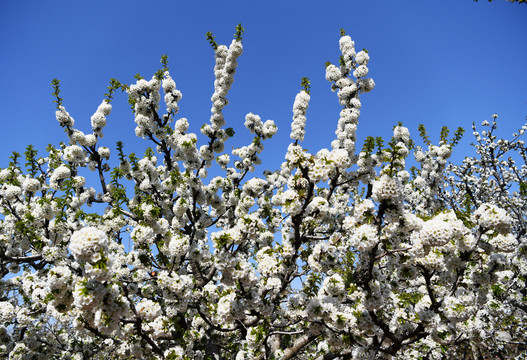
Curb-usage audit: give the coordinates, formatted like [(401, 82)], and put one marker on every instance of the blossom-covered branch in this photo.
[(339, 254)]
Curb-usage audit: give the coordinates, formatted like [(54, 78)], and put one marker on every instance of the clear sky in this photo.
[(437, 62)]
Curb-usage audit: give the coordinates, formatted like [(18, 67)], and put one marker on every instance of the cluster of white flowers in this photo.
[(291, 202), (298, 126), (75, 154), (491, 217), (98, 120), (59, 285), (178, 245), (63, 117), (347, 47), (386, 188), (436, 232), (224, 70), (7, 311), (172, 95), (505, 243), (89, 244), (146, 96), (401, 134), (364, 238), (349, 91), (79, 137), (11, 192), (333, 73), (148, 309), (31, 185), (362, 58), (333, 285), (104, 152), (60, 173), (268, 264), (430, 177)]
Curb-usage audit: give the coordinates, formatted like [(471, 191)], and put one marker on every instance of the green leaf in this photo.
[(306, 84), (211, 40), (56, 92), (239, 32), (230, 132)]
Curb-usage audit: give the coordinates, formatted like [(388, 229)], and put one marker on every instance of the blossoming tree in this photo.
[(339, 254)]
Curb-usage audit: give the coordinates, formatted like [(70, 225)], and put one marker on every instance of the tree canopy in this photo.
[(376, 250)]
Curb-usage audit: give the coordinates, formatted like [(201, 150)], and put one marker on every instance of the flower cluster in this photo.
[(98, 120), (172, 95), (491, 217), (89, 245), (298, 127), (145, 95)]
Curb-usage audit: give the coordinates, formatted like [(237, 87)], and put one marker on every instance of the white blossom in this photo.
[(89, 244)]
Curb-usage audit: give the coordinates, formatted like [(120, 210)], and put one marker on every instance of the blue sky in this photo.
[(436, 62)]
